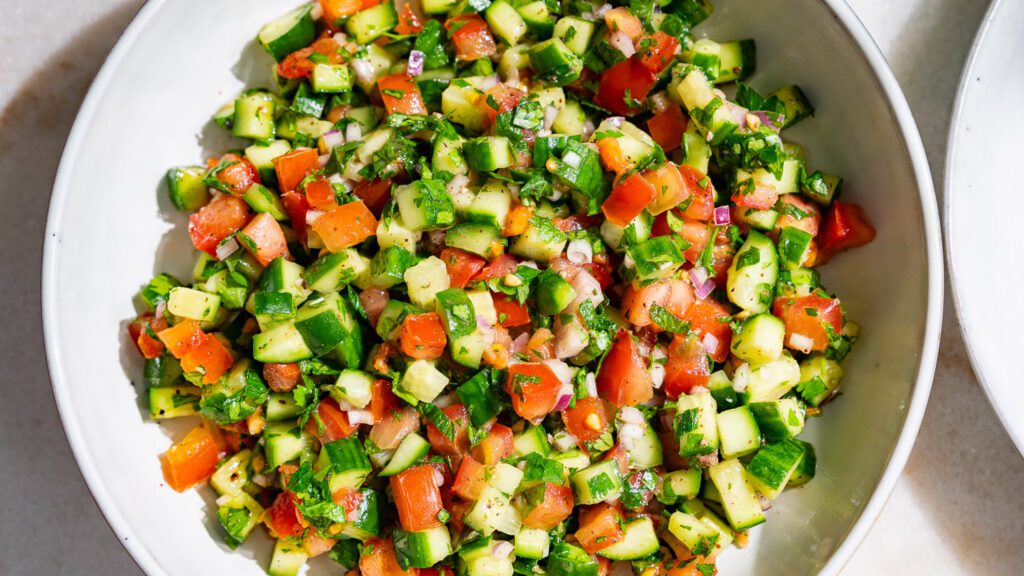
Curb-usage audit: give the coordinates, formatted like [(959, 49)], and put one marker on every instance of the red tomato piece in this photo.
[(674, 295), (667, 127), (498, 268), (389, 432), (534, 388), (846, 226), (283, 517), (192, 460), (578, 222), (461, 265), (587, 420), (496, 446), (139, 331), (238, 174), (459, 416), (599, 528), (182, 338), (657, 51), (755, 196), (401, 95), (552, 510), (422, 336), (296, 206), (417, 498), (471, 36), (499, 99), (374, 193), (510, 312), (611, 155), (212, 356), (628, 199), (345, 226), (379, 559), (621, 457), (408, 21), (795, 212), (382, 400), (702, 192), (806, 317), (314, 545), (687, 366), (222, 217), (669, 188), (292, 167), (266, 239), (471, 479), (600, 273), (320, 194), (621, 19), (623, 378), (334, 420), (628, 81), (710, 317), (334, 10)]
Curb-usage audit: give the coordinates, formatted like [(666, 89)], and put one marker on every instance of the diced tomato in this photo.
[(587, 420), (755, 196), (422, 336), (510, 312), (498, 268), (281, 377), (577, 222), (503, 96), (320, 194), (296, 206), (459, 416), (534, 388), (417, 498), (237, 174), (389, 432), (348, 499), (345, 226), (552, 510), (266, 240), (334, 10), (471, 479), (496, 446), (461, 265), (298, 65), (795, 212), (611, 155), (517, 221), (222, 217), (623, 378), (657, 51), (283, 517), (401, 95), (182, 338), (471, 37), (379, 559), (622, 20), (673, 294), (687, 365), (374, 193), (698, 234), (806, 317), (212, 356), (139, 332), (628, 199), (541, 345), (334, 420), (314, 545), (192, 460), (669, 188), (292, 167), (382, 400), (599, 527), (628, 81), (710, 317), (667, 127), (846, 226), (702, 192), (621, 457), (408, 21), (600, 273)]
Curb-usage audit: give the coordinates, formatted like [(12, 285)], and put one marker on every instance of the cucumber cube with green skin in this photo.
[(263, 200), (368, 25), (448, 156), (335, 270), (425, 280), (763, 220), (473, 237), (695, 426), (532, 440), (752, 274), (287, 560), (262, 155), (491, 204), (773, 380), (322, 322), (423, 381), (164, 370), (422, 549), (795, 103), (760, 339), (308, 103), (458, 103), (488, 153), (158, 290), (597, 483), (807, 467), (364, 522), (770, 469), (738, 60), (239, 516), (680, 485), (186, 188), (284, 276), (282, 406), (742, 508), (793, 244), (706, 54), (532, 543), (553, 293), (282, 344), (173, 401), (575, 33), (457, 313), (554, 63), (647, 451), (571, 119), (569, 560), (696, 151), (483, 305), (425, 205), (392, 231), (254, 116), (654, 259), (819, 378), (275, 305), (722, 391), (434, 7), (708, 110), (620, 239), (506, 22), (288, 33), (193, 304), (392, 315), (639, 540), (353, 387), (331, 78), (821, 187), (738, 433), (388, 266), (779, 420), (481, 397), (412, 448), (541, 241), (347, 462), (284, 442), (232, 475), (538, 20)]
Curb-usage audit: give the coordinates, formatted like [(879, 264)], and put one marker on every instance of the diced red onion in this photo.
[(227, 248), (550, 113), (488, 82), (340, 38), (457, 184), (622, 43), (722, 216), (312, 216), (564, 441), (332, 140), (445, 400), (704, 290), (587, 288), (324, 159), (588, 129), (615, 121), (438, 478), (580, 251), (519, 344), (657, 371), (801, 342), (161, 309), (570, 339), (659, 102), (360, 417), (631, 415), (698, 275), (768, 120), (602, 10), (562, 370), (710, 343), (353, 132), (572, 159), (415, 67), (563, 402), (317, 11), (263, 479), (502, 550), (629, 434), (739, 113), (741, 377), (591, 382), (486, 329)]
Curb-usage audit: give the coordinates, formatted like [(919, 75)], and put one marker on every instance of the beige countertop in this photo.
[(958, 509)]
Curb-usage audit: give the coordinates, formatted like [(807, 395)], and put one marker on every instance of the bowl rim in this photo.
[(949, 171), (913, 416)]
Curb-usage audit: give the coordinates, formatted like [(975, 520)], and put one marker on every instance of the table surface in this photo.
[(957, 509)]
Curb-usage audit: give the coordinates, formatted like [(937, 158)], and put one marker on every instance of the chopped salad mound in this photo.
[(501, 287)]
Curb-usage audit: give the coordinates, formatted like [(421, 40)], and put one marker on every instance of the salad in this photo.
[(501, 287)]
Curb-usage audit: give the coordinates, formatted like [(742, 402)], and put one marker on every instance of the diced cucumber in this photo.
[(759, 339), (597, 483), (738, 434), (263, 200), (538, 19), (680, 485), (391, 317), (819, 378), (239, 516), (573, 460), (459, 105), (696, 151), (506, 23), (639, 541), (779, 420), (553, 293), (772, 380), (288, 33), (282, 406), (372, 62), (422, 549), (532, 543), (763, 220), (353, 387), (490, 205), (654, 259), (692, 531), (821, 187), (708, 110), (425, 205), (575, 32), (412, 448), (706, 54), (493, 511), (347, 462), (254, 116), (807, 467), (388, 266), (646, 451), (284, 442), (186, 188), (425, 280), (771, 468), (334, 270), (331, 78), (532, 440), (288, 558), (638, 230), (282, 344), (366, 522), (232, 475), (473, 237), (569, 560), (423, 381), (448, 156), (193, 304), (738, 60), (434, 7), (456, 312), (752, 274), (571, 119), (284, 276), (635, 144), (323, 322), (370, 24), (721, 389), (164, 370), (483, 304), (488, 153), (555, 63), (695, 425), (541, 241), (173, 401), (796, 104), (738, 498), (392, 231)]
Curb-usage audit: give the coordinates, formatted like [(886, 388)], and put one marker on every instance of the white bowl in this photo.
[(110, 228)]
